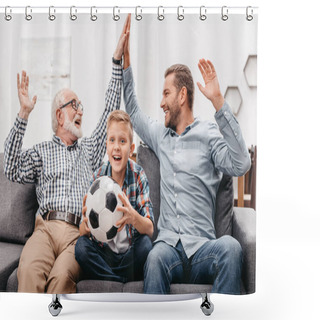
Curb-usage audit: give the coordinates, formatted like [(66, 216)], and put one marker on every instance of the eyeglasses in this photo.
[(74, 104)]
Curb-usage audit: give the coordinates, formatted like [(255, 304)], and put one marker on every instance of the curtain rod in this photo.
[(138, 11), (126, 9), (133, 7)]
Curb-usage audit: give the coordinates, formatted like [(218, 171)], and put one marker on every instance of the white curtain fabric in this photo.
[(77, 54)]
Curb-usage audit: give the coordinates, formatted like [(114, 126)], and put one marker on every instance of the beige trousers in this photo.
[(47, 263)]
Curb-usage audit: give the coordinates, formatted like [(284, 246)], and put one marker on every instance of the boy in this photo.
[(123, 258)]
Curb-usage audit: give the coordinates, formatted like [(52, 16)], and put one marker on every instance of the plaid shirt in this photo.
[(136, 187), (61, 173)]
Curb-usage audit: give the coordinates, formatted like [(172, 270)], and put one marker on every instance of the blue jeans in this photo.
[(103, 264), (218, 262)]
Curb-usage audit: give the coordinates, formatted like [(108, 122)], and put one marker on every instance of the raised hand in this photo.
[(120, 46), (26, 104), (126, 51), (211, 89)]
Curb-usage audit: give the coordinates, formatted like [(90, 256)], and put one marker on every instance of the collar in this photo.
[(126, 177), (58, 140), (186, 130)]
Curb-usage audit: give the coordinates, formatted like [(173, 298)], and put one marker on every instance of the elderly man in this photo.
[(61, 170)]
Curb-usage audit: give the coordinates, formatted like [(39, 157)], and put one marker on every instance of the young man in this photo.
[(61, 170), (123, 258), (193, 154)]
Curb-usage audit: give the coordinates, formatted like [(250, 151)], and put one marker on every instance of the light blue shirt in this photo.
[(191, 167)]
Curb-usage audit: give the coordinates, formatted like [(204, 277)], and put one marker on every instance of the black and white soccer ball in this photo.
[(102, 201)]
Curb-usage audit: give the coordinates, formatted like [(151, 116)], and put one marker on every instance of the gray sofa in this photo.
[(17, 217)]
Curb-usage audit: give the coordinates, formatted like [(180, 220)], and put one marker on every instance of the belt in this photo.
[(63, 216)]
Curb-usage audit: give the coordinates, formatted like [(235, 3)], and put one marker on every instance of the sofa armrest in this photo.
[(244, 230)]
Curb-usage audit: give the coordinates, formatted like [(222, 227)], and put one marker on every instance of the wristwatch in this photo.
[(115, 61)]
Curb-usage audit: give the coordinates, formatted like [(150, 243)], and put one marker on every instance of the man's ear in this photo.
[(59, 116), (132, 149), (183, 95)]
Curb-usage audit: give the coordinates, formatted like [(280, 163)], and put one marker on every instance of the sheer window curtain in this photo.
[(77, 54)]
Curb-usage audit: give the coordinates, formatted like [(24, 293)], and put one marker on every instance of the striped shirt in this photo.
[(136, 187), (61, 173)]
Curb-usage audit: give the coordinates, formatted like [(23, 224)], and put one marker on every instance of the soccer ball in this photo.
[(102, 201)]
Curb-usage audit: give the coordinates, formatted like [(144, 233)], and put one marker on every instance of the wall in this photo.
[(155, 45)]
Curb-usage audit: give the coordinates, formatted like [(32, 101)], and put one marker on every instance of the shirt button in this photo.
[(175, 195), (175, 151), (225, 113), (174, 174), (178, 216)]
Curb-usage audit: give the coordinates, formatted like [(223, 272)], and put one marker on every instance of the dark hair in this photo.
[(183, 78)]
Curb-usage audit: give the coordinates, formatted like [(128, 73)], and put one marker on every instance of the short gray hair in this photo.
[(58, 101)]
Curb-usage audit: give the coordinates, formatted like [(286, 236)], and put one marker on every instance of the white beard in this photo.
[(71, 127)]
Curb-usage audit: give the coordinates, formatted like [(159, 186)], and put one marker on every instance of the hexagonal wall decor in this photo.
[(250, 71), (234, 99)]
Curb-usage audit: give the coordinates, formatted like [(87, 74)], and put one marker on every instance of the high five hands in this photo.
[(26, 104), (211, 89), (123, 40)]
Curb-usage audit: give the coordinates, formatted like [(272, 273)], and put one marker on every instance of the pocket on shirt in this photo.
[(192, 157)]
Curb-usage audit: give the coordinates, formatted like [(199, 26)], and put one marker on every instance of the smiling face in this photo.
[(119, 148), (170, 104), (72, 118)]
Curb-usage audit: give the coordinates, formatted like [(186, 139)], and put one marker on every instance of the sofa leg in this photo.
[(55, 306), (206, 306)]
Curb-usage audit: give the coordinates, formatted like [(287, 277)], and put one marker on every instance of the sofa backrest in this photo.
[(147, 159), (18, 206), (19, 203)]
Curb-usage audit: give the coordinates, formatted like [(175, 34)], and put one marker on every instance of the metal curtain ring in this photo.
[(116, 17), (138, 16), (28, 16), (180, 15), (249, 17), (73, 16), (7, 16), (224, 13), (203, 12), (51, 15), (160, 16), (93, 17)]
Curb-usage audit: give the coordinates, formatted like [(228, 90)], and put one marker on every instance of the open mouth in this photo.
[(117, 158)]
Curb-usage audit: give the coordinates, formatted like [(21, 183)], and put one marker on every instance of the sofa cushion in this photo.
[(224, 207), (9, 259), (18, 207), (147, 159), (99, 286), (12, 284), (183, 288), (133, 287)]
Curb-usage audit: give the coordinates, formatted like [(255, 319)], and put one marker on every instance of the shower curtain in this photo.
[(73, 49)]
